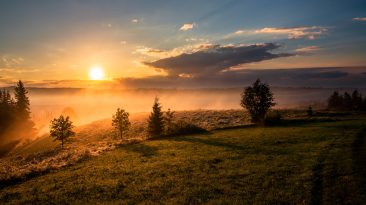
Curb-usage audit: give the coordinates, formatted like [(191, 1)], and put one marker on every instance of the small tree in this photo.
[(168, 119), (121, 122), (156, 120), (61, 129), (257, 99), (310, 111)]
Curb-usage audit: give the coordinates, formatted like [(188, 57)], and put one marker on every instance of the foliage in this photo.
[(273, 117), (184, 128), (155, 126), (61, 129), (257, 99), (121, 122), (15, 120), (347, 102)]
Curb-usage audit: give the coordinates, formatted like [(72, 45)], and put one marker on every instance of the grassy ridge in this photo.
[(296, 163)]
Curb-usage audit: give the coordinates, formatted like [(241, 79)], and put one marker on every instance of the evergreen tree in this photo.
[(257, 99), (356, 100), (6, 111), (22, 101), (156, 120), (121, 122), (347, 101), (335, 101), (22, 110)]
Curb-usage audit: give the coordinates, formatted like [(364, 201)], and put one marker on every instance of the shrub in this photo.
[(183, 128), (257, 99), (273, 117)]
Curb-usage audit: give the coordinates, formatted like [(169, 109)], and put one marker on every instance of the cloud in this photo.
[(10, 61), (135, 21), (332, 77), (359, 19), (308, 49), (310, 32), (158, 53), (187, 26), (212, 59)]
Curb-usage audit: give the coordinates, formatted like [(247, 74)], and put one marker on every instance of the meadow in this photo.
[(302, 160)]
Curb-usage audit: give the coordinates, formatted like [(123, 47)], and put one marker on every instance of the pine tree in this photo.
[(22, 110), (356, 101), (22, 101), (156, 120)]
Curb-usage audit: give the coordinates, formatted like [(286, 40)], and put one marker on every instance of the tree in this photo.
[(22, 109), (335, 101), (168, 119), (347, 101), (6, 111), (356, 100), (310, 111), (257, 99), (156, 120), (121, 122), (61, 129), (22, 101)]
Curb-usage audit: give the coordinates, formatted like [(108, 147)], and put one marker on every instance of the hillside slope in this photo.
[(295, 163)]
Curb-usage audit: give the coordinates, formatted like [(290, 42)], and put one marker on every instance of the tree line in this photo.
[(15, 119), (257, 99), (347, 102)]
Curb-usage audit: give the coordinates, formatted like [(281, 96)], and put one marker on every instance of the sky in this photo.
[(191, 43)]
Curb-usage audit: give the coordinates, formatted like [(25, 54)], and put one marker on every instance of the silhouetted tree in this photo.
[(22, 101), (22, 109), (121, 122), (257, 99), (310, 111), (168, 119), (156, 120), (6, 110), (61, 129), (335, 101), (347, 101), (356, 101)]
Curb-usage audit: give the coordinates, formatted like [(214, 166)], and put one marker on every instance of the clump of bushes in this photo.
[(184, 128), (273, 117)]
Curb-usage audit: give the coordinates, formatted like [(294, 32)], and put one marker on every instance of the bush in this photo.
[(273, 117), (257, 99), (184, 128)]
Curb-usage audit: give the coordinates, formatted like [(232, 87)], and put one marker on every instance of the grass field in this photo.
[(297, 162)]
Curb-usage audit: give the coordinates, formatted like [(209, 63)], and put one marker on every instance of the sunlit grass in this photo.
[(295, 163)]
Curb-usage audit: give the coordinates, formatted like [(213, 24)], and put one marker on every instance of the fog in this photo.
[(86, 105)]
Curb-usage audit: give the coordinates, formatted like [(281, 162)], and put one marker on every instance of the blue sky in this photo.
[(49, 40)]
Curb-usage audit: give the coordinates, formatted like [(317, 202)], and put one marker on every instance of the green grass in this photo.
[(296, 163)]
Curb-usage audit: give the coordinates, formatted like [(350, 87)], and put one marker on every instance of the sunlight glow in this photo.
[(96, 73)]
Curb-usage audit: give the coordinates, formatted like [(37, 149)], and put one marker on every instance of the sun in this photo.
[(96, 73)]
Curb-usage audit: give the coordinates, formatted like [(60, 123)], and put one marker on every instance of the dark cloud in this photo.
[(304, 77), (216, 58)]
